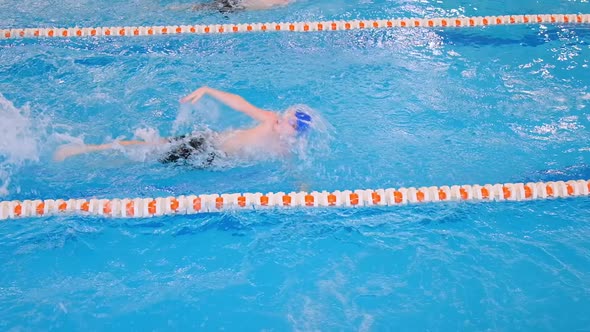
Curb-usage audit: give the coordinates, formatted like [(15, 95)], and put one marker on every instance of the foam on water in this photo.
[(19, 145)]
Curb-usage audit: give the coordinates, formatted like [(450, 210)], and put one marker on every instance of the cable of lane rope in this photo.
[(192, 204), (131, 31)]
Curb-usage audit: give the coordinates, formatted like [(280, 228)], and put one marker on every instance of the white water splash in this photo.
[(19, 141), (191, 116)]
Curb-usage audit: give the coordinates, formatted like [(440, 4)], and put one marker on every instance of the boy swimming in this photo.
[(272, 137), (225, 6)]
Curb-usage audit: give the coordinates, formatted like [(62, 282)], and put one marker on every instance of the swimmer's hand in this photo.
[(195, 95), (234, 101), (69, 150)]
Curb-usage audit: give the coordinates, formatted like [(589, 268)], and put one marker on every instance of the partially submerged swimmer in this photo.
[(272, 137), (225, 6)]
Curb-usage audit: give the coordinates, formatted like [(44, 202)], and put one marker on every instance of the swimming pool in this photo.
[(408, 108)]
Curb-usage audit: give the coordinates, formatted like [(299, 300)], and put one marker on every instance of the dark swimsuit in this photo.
[(195, 150), (226, 6), (223, 6)]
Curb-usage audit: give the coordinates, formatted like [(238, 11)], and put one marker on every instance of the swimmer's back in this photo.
[(228, 6)]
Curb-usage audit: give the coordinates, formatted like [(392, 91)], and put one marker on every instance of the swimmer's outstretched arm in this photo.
[(234, 101), (70, 150)]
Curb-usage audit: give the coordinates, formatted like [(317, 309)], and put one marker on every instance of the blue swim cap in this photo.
[(303, 121)]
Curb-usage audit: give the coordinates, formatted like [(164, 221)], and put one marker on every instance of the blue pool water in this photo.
[(407, 108)]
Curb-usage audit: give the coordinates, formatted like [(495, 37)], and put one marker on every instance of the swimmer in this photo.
[(226, 6), (272, 137)]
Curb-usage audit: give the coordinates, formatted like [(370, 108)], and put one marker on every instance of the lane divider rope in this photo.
[(192, 204), (132, 31)]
